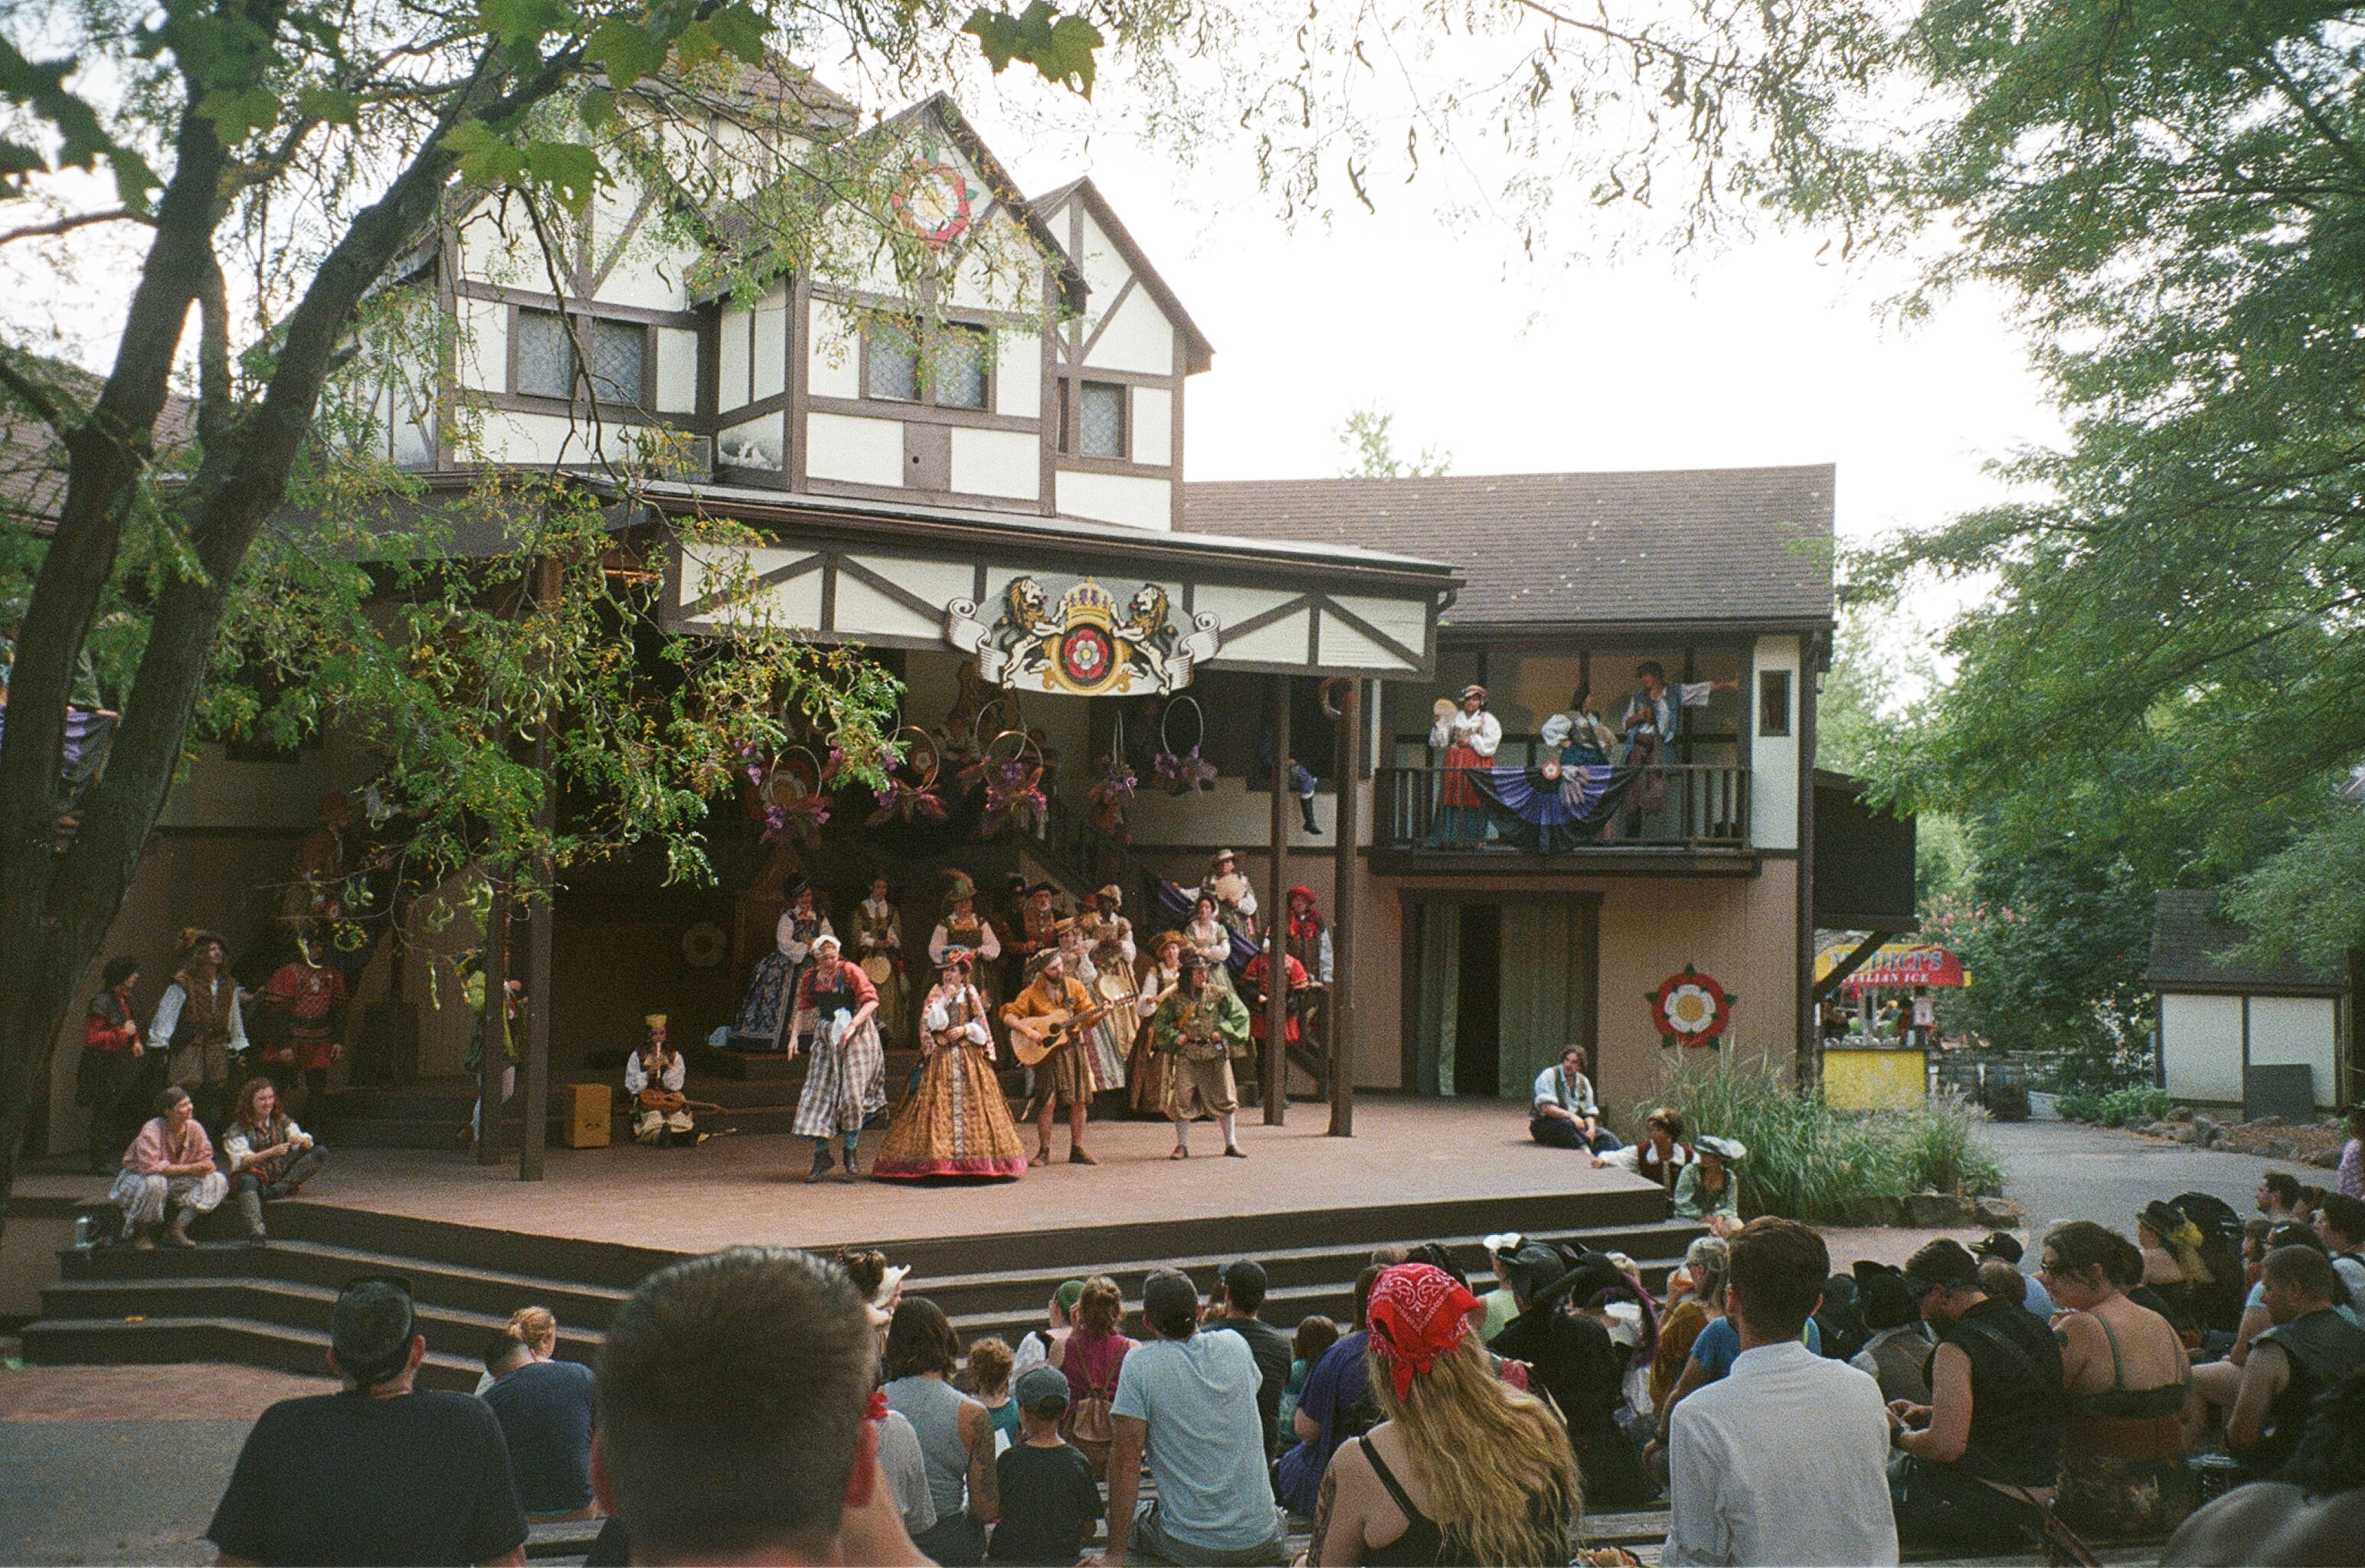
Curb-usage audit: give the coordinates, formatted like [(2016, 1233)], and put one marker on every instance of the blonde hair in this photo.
[(1100, 1307), (538, 1326), (1483, 1450), (990, 1362)]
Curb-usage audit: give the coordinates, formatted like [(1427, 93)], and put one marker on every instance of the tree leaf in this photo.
[(83, 140), (1061, 47), (328, 104), (236, 115), (568, 169), (626, 50)]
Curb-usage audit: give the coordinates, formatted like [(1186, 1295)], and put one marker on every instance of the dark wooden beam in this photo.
[(1344, 1025), (1276, 913)]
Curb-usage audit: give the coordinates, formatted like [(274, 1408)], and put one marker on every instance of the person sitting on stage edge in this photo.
[(732, 1392), (544, 1408), (1462, 1468), (1189, 1400), (654, 1075), (1704, 1189), (1564, 1115), (956, 1433), (1660, 1157), (1200, 1029), (1049, 1500), (270, 1157), (1067, 1074), (1986, 1449), (170, 1164)]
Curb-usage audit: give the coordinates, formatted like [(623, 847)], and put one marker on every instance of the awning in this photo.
[(1906, 964), (1052, 604)]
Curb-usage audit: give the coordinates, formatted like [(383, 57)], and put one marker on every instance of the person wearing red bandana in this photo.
[(1463, 1468)]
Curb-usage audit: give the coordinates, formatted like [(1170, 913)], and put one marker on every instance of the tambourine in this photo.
[(879, 967), (1444, 706)]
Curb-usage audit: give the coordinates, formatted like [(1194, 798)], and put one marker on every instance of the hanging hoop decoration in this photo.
[(902, 800), (1691, 1008), (1013, 784), (1000, 716), (1182, 773), (787, 799), (921, 756), (1333, 695)]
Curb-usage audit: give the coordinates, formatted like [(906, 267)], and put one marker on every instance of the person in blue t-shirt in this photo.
[(2003, 1246)]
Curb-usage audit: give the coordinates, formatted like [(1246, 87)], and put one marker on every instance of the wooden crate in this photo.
[(589, 1112)]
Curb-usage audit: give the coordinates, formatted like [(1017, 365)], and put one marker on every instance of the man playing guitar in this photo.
[(1047, 1022)]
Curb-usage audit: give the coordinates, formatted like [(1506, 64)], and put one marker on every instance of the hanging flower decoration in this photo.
[(1108, 794), (1184, 774), (901, 802), (1013, 794), (1691, 1008)]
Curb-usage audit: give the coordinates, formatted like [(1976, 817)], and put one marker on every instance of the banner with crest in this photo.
[(1082, 644)]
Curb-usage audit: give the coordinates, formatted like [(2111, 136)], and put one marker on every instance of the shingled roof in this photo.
[(2194, 950), (1743, 546)]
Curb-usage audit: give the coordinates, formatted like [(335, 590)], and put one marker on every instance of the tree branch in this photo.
[(71, 222)]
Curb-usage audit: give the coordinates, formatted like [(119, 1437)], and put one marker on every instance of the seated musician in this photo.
[(1055, 1008), (1199, 1029), (653, 1077)]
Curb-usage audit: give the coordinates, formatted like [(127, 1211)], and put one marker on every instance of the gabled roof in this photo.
[(1201, 353), (1005, 190), (2192, 949), (1729, 547), (32, 459)]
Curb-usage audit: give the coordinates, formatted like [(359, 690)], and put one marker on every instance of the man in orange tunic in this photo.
[(1067, 1073)]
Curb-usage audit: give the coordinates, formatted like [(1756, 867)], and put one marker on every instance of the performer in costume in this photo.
[(1255, 992), (1111, 938), (1037, 928), (1657, 703), (1207, 936), (107, 1079), (878, 944), (312, 995), (763, 1012), (1067, 1073), (1201, 1029), (1236, 903), (1309, 944), (1578, 734), (846, 1078), (960, 761), (201, 1027), (957, 1122), (653, 1077), (964, 928), (1108, 1056), (1469, 736), (1152, 1068)]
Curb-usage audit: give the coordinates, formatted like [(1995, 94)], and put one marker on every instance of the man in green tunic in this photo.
[(1202, 1027)]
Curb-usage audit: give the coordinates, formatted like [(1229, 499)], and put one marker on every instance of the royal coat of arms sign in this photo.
[(1082, 644)]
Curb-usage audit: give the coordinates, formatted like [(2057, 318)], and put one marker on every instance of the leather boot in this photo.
[(821, 1166), (1306, 810), (250, 1209)]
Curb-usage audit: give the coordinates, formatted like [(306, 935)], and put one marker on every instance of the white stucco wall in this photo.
[(1774, 759), (855, 451), (1116, 497), (2201, 1046), (996, 462)]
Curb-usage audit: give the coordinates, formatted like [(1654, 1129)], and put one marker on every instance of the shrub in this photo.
[(1808, 1161), (2137, 1103)]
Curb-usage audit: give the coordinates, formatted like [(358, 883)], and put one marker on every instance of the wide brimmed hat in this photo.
[(1165, 939), (1473, 689), (958, 887), (1034, 888), (1221, 855), (955, 957), (1532, 1269), (1193, 959), (1731, 1150), (1113, 894), (1035, 964)]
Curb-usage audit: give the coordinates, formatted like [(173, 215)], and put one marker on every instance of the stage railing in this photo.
[(1696, 805)]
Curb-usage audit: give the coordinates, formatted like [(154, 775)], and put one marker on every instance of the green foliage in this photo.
[(1062, 48), (1369, 440), (1808, 1161), (2118, 1108)]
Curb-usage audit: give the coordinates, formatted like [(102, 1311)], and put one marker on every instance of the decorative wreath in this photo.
[(1691, 1008), (933, 202), (704, 946)]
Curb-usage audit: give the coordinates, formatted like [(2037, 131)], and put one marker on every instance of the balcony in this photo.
[(1685, 818)]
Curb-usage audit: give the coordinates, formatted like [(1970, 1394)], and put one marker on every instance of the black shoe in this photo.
[(1306, 807), (821, 1165)]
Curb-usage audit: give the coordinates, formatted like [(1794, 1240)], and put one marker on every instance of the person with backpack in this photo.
[(1093, 1356)]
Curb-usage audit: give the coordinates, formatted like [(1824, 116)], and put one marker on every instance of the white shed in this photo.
[(2234, 1033)]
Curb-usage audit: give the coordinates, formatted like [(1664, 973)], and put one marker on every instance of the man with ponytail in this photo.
[(1463, 1468)]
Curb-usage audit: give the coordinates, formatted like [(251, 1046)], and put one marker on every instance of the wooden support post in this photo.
[(1276, 918), (532, 1146), (1807, 1070), (493, 1022), (1342, 915)]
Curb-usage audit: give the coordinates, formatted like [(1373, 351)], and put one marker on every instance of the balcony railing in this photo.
[(1692, 806)]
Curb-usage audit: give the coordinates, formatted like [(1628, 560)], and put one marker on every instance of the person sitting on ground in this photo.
[(2309, 1348), (1985, 1449), (545, 1414), (2315, 1513), (2340, 1225), (733, 1391), (1049, 1500), (2123, 1369), (170, 1163), (1035, 1348), (1091, 1358), (1243, 1298), (1705, 1190), (1784, 1424), (2003, 1247), (1331, 1408), (1695, 1299), (1660, 1157), (2278, 1195), (989, 1382), (1898, 1354), (1315, 1334), (1188, 1400), (1462, 1467), (956, 1434), (1564, 1115), (380, 1471), (270, 1157), (654, 1075), (535, 1327), (1569, 1355)]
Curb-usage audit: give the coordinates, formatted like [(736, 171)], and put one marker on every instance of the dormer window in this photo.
[(1100, 419), (546, 364), (951, 374), (958, 371), (893, 361)]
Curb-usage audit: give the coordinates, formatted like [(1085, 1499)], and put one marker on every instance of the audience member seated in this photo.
[(2254, 1309), (2340, 1225), (956, 1434), (1462, 1468), (2278, 1197), (732, 1392), (1705, 1190), (270, 1157), (1839, 1321), (986, 1370), (2202, 1294), (1570, 1356), (1695, 1299), (535, 1327), (1498, 1306), (2314, 1514), (2003, 1247), (1035, 1348), (1983, 1453), (1091, 1357), (545, 1414), (1049, 1500), (1564, 1115), (1999, 1280), (2309, 1348), (1331, 1409), (376, 1473), (169, 1165), (903, 1472), (1242, 1297), (1188, 1400), (1315, 1334), (1747, 1453), (1898, 1354), (1660, 1157), (2126, 1375)]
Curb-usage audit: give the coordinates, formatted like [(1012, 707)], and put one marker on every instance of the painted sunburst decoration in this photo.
[(932, 201), (1691, 1008)]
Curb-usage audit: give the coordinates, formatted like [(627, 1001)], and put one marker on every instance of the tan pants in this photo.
[(1212, 1078)]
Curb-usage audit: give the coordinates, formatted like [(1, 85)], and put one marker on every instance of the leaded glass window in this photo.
[(1099, 420), (617, 350), (894, 365), (545, 356), (960, 368)]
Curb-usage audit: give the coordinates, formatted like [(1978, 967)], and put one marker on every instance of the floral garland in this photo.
[(1184, 774), (901, 802), (1013, 795)]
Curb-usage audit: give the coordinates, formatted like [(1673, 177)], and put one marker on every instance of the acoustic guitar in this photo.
[(1058, 1027)]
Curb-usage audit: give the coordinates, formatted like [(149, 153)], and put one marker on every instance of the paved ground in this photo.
[(2061, 1170)]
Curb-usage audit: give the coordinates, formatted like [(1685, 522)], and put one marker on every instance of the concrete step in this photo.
[(246, 1342), (287, 1304)]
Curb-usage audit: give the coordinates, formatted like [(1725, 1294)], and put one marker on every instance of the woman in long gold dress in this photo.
[(957, 1122)]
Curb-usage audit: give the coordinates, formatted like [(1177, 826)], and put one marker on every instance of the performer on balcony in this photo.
[(846, 1081), (1659, 705), (1067, 1073), (957, 1122), (1577, 734), (878, 944), (1236, 903), (763, 1012), (1200, 1029), (1468, 735), (1152, 1068)]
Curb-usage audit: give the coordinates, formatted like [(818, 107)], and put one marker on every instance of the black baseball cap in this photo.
[(1998, 1244)]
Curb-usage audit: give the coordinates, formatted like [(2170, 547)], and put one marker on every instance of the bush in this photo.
[(2139, 1102), (1808, 1161)]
